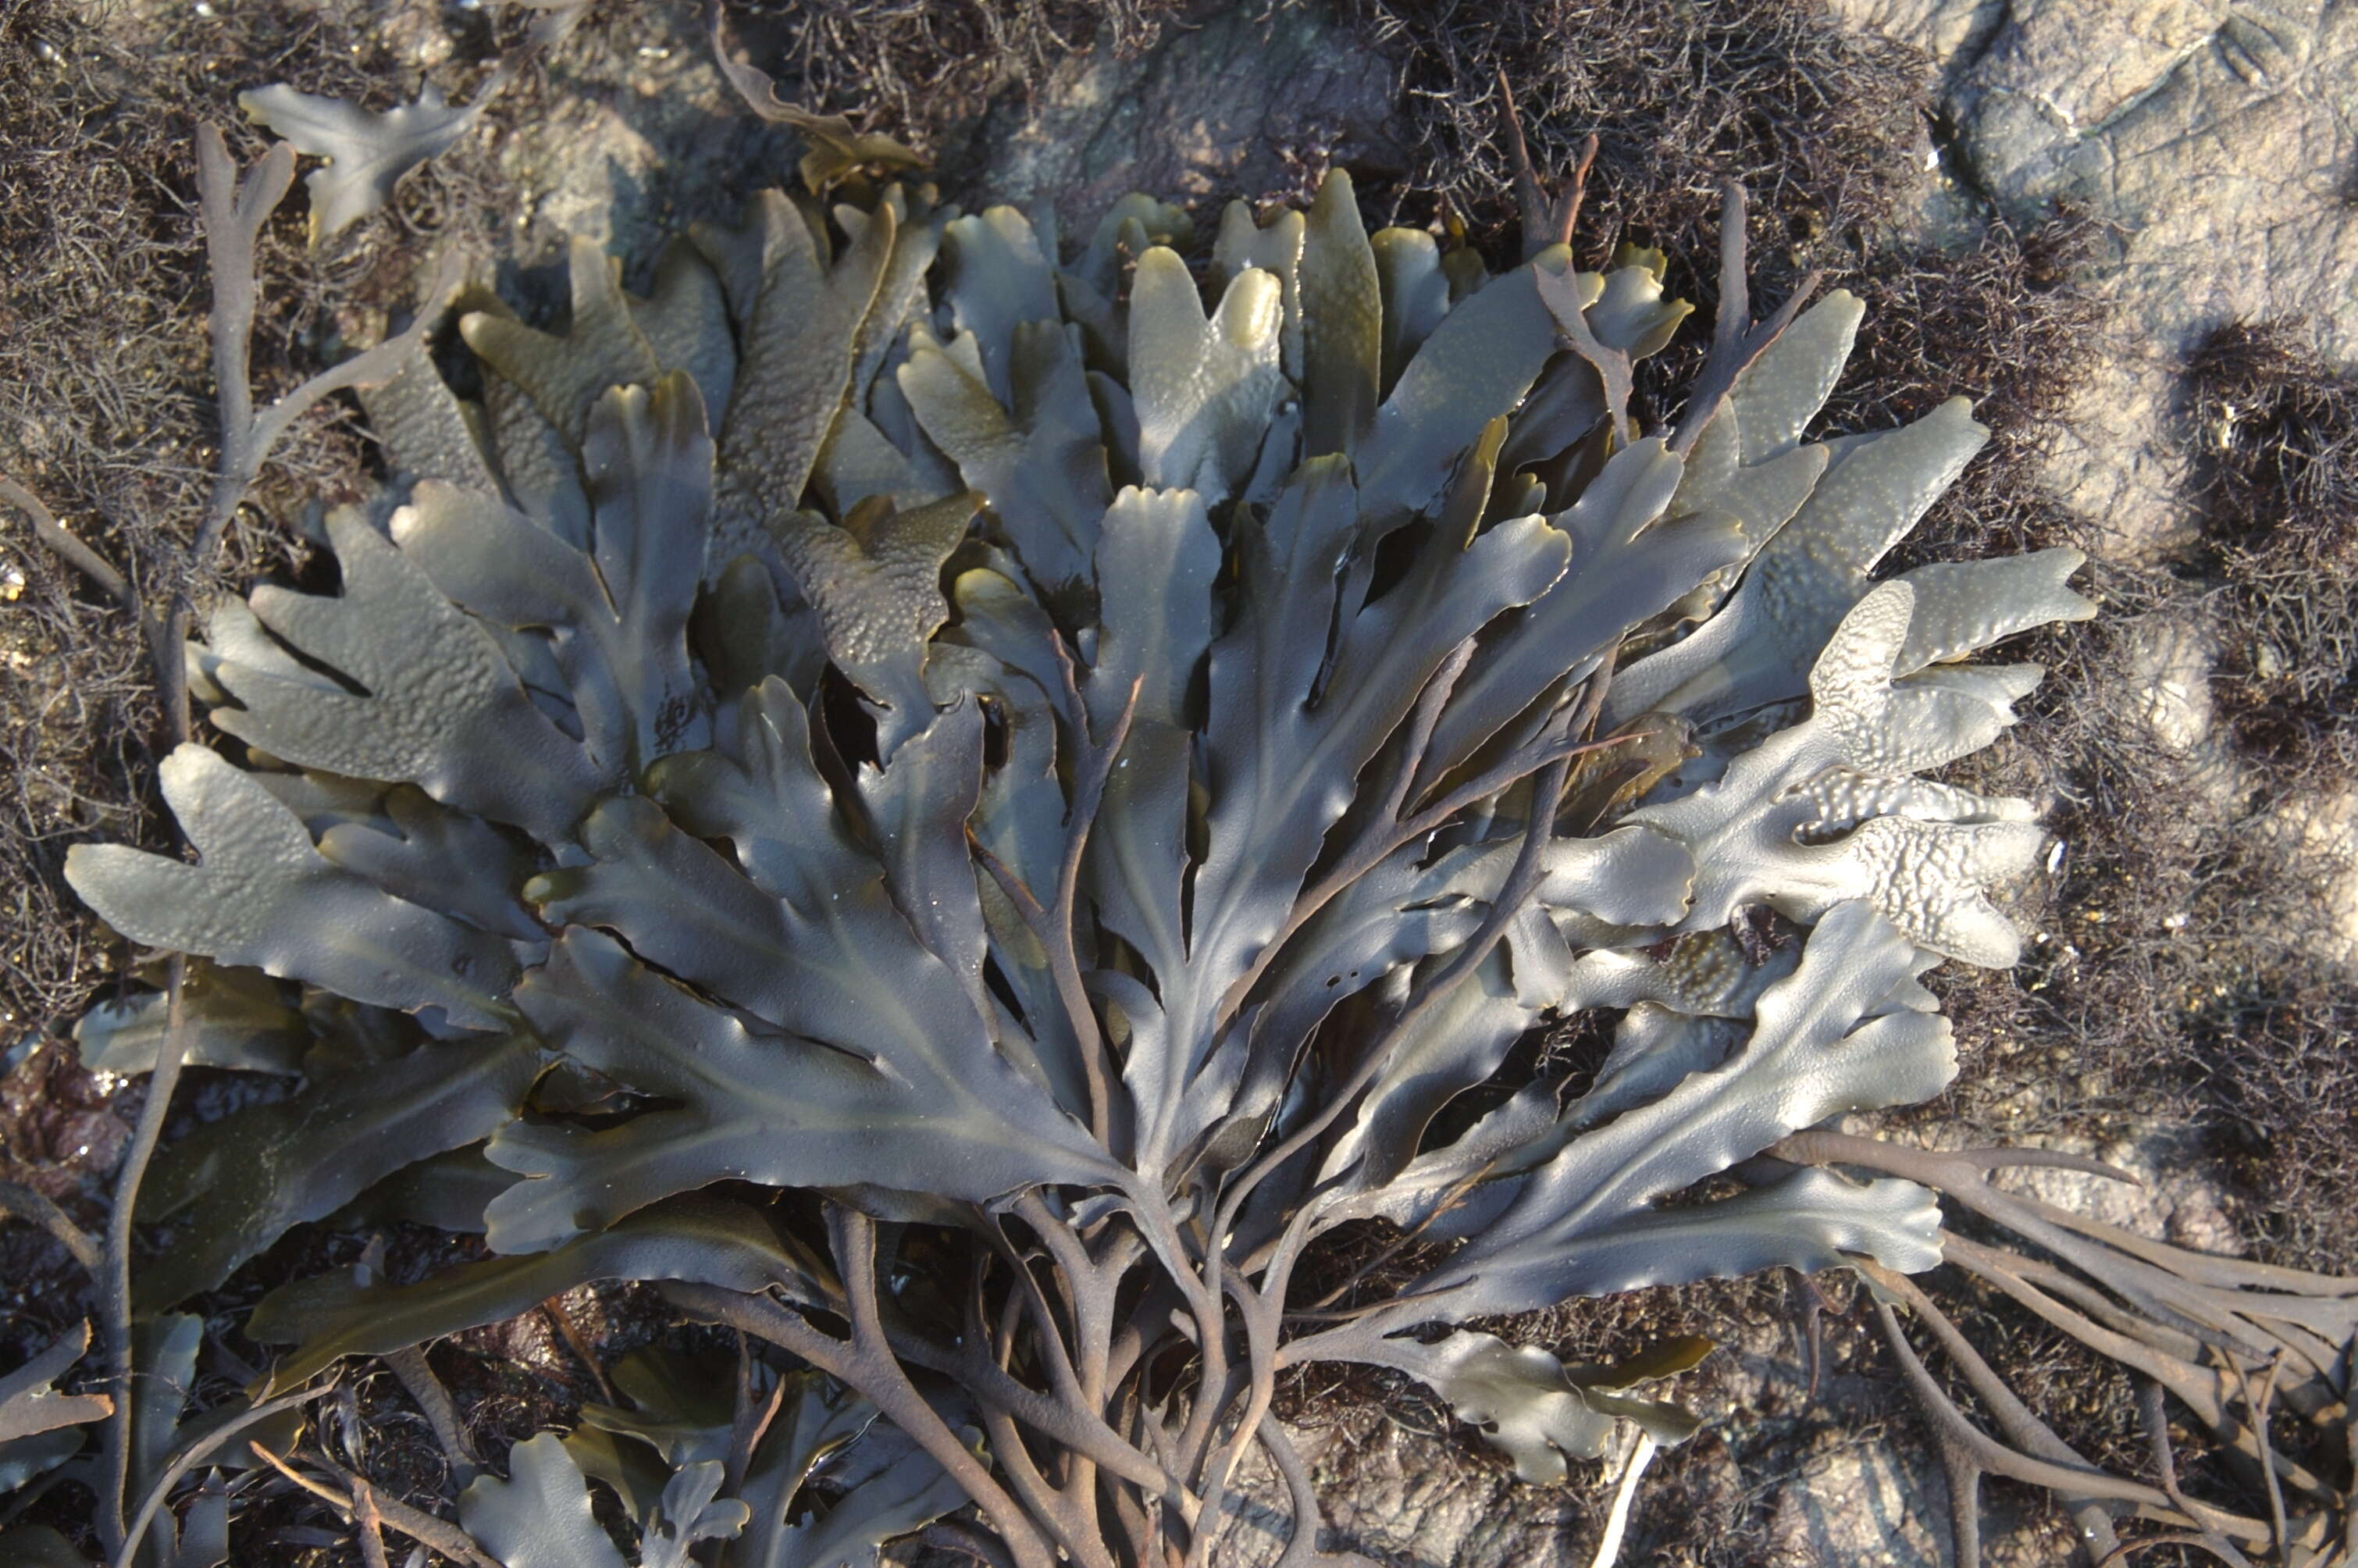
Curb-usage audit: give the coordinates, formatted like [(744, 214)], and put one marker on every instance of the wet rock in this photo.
[(61, 1128)]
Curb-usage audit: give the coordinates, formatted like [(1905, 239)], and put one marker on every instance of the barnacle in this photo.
[(966, 728)]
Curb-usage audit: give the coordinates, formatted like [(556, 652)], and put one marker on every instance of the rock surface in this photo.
[(2220, 143), (1246, 101)]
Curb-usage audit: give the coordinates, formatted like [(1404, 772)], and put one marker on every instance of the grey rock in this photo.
[(1409, 1499), (1950, 34), (643, 137), (2173, 1199), (2220, 140), (1857, 1501), (1253, 100)]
